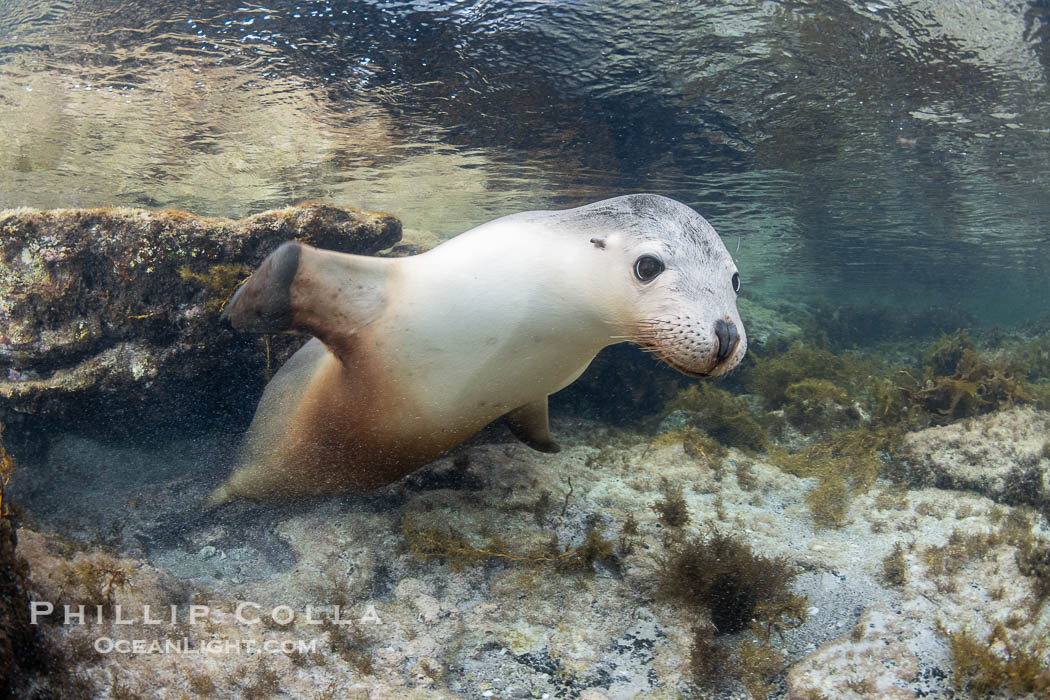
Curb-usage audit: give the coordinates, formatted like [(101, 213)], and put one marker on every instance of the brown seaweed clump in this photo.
[(721, 575), (815, 404), (895, 567), (959, 382), (672, 507)]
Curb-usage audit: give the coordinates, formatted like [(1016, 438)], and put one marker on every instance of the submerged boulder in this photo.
[(118, 305), (1004, 456)]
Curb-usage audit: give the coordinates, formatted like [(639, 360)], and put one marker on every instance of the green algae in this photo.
[(996, 662), (219, 281), (811, 404), (771, 376), (845, 465), (721, 415)]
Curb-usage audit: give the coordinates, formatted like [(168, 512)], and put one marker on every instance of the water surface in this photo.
[(861, 152)]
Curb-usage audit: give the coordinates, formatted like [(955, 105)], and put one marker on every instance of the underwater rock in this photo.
[(20, 650), (124, 302), (1004, 455), (872, 661)]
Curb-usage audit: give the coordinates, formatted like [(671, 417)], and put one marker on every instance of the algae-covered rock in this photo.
[(20, 652), (1004, 455), (120, 301)]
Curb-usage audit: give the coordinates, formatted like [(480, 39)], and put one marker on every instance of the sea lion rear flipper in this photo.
[(298, 288), (530, 424)]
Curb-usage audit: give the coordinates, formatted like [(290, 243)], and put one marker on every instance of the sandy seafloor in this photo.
[(498, 628)]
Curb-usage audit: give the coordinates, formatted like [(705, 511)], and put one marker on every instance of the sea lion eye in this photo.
[(646, 268), (736, 282)]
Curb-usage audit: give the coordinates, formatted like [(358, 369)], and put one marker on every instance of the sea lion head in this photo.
[(683, 282)]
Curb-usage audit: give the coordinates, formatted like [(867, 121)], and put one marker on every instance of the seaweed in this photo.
[(955, 380), (119, 690), (895, 567), (891, 498), (771, 376), (961, 548), (846, 464), (426, 543), (628, 531), (594, 549), (758, 664), (630, 526), (829, 501), (1033, 561), (746, 478), (7, 469), (673, 509), (99, 577), (708, 658), (1032, 554), (724, 417), (720, 575), (813, 403), (713, 663), (1034, 358), (995, 662), (975, 385), (944, 354), (220, 282), (700, 445), (267, 683), (201, 684), (352, 644)]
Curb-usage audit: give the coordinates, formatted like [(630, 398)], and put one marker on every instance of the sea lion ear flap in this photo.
[(530, 424), (298, 288)]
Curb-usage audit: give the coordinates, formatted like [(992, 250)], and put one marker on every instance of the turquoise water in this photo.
[(858, 153)]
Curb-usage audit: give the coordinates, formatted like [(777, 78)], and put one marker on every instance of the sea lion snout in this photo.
[(728, 338)]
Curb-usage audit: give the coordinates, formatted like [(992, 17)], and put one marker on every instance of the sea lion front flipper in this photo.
[(299, 288), (530, 424)]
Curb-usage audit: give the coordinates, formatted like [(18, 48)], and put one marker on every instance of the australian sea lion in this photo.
[(411, 356)]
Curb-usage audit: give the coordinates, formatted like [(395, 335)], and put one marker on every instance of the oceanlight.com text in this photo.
[(108, 645)]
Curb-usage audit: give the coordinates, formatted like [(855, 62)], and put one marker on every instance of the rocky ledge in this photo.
[(101, 307)]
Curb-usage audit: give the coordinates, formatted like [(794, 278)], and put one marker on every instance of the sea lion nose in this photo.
[(728, 337)]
